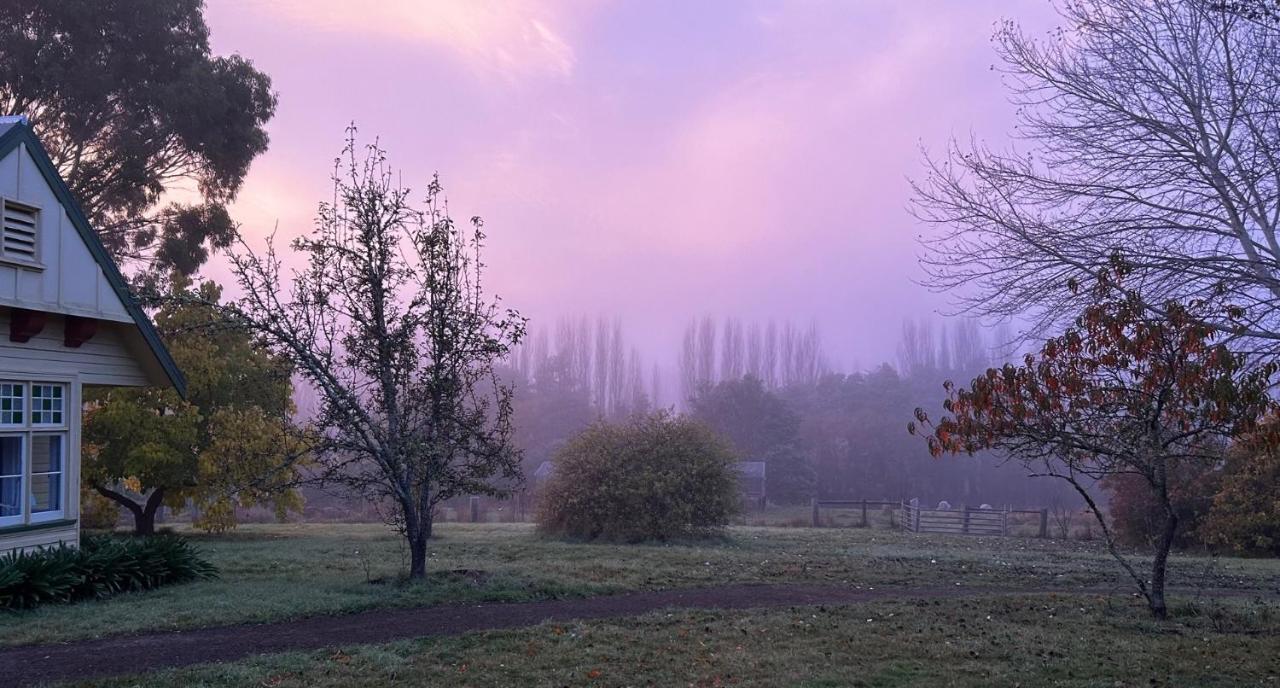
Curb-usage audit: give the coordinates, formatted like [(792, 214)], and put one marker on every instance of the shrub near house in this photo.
[(654, 477)]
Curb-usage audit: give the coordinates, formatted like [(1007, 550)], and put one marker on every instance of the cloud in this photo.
[(511, 40), (652, 165)]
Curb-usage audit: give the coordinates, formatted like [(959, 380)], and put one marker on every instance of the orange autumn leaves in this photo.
[(1127, 378)]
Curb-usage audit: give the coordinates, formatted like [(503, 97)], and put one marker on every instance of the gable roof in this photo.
[(15, 131)]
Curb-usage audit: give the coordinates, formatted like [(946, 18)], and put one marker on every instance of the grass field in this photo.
[(276, 572), (1070, 640)]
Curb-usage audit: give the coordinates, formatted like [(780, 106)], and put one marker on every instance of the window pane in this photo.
[(11, 403), (10, 456), (46, 404), (46, 473), (10, 497), (46, 492), (46, 454)]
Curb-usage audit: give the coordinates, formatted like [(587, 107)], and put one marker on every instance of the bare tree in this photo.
[(635, 400), (618, 395), (655, 387), (755, 353), (946, 360), (769, 361), (689, 362), (732, 365), (600, 374), (1063, 515), (1152, 127), (968, 352), (805, 358), (1004, 347), (917, 349), (389, 323), (707, 350), (541, 350), (580, 336)]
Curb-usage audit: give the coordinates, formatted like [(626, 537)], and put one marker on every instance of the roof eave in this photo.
[(21, 134)]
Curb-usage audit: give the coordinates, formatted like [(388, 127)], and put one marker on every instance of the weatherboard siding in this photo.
[(41, 537), (70, 281), (106, 359)]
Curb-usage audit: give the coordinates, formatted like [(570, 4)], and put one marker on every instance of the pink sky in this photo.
[(650, 160)]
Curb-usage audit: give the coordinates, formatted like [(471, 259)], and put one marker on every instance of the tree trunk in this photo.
[(417, 552), (1158, 565), (417, 530), (146, 523), (144, 515)]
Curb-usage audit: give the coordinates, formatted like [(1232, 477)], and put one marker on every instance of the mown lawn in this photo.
[(1041, 640), (276, 572)]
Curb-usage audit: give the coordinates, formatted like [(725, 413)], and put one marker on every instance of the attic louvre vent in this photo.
[(18, 240)]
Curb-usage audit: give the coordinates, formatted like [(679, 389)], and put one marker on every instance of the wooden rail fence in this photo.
[(916, 519)]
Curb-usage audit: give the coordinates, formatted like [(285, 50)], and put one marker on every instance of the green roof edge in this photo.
[(20, 133)]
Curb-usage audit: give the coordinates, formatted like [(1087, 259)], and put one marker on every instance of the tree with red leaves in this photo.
[(1129, 390)]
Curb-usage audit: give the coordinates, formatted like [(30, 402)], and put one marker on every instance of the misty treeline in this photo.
[(593, 359), (779, 355), (849, 425), (569, 374), (768, 388)]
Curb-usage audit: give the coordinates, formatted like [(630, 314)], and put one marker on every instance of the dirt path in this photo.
[(91, 659)]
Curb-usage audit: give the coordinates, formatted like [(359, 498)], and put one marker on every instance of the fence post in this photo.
[(475, 509), (965, 528), (1044, 523), (814, 503), (864, 513)]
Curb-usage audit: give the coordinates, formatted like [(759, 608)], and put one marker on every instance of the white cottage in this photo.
[(67, 322)]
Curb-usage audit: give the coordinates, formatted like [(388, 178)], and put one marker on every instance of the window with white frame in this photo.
[(46, 404), (33, 452)]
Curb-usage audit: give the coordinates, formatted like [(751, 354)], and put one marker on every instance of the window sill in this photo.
[(45, 525)]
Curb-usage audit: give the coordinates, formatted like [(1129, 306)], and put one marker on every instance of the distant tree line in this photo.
[(768, 389), (779, 355), (831, 434), (592, 358)]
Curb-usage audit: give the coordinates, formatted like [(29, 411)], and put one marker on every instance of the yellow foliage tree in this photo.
[(230, 444)]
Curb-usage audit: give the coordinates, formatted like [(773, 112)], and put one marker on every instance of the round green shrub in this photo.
[(654, 477)]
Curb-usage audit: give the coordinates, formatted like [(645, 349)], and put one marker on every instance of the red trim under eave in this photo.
[(78, 330), (25, 324)]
